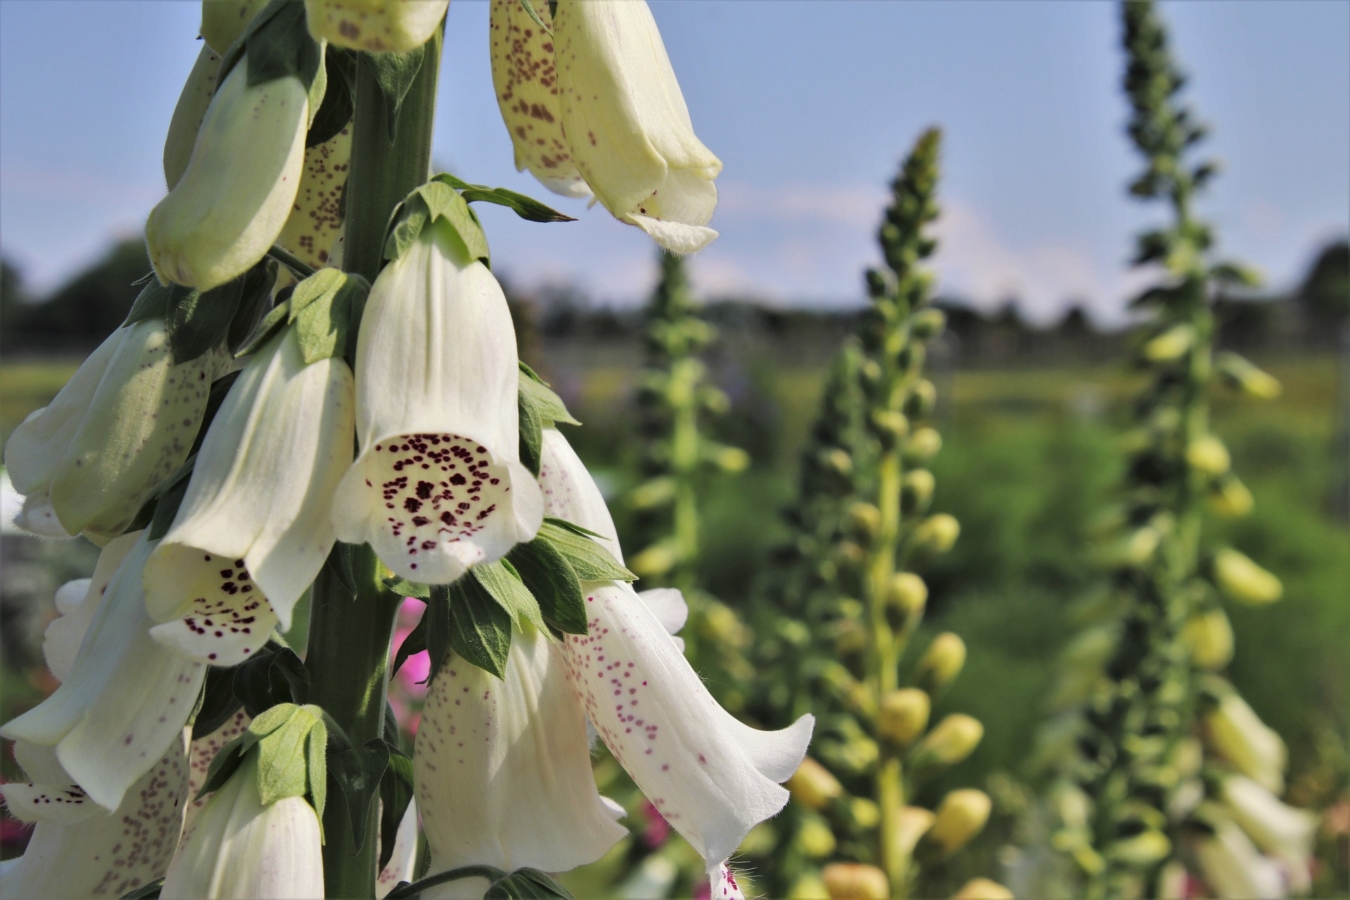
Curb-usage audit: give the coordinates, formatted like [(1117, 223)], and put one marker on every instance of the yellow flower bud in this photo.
[(1243, 581), (1235, 732), (1171, 344), (923, 444), (1133, 549), (1143, 849), (1229, 498), (198, 90), (1208, 455), (982, 889), (223, 21), (864, 521), (961, 816), (376, 26), (731, 459), (907, 594), (814, 838), (927, 322), (652, 494), (942, 662), (654, 561), (911, 825), (1209, 637), (864, 812), (937, 533), (855, 881), (917, 491), (921, 400), (720, 622), (890, 427), (838, 461), (1246, 377), (954, 738), (808, 887), (903, 716), (813, 786), (239, 185)]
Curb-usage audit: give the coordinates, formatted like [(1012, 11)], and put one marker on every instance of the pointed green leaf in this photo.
[(225, 762), (414, 643), (152, 302), (325, 321), (502, 582), (316, 752), (405, 588), (522, 205), (531, 433), (283, 760), (279, 45), (533, 14), (590, 561), (394, 73), (357, 772), (336, 110), (198, 321), (554, 584), (527, 884), (549, 406), (479, 627)]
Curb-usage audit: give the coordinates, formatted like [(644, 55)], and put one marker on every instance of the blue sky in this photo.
[(810, 104)]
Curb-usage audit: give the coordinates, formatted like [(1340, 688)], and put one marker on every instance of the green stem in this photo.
[(684, 444), (350, 636)]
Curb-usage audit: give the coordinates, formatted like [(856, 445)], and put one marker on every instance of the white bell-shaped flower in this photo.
[(402, 865), (313, 232), (193, 101), (627, 125), (202, 754), (526, 83), (1283, 831), (712, 777), (255, 525), (126, 698), (79, 849), (239, 849), (237, 191), (123, 424), (503, 769), (1236, 733), (375, 26), (1234, 869), (224, 21), (438, 485)]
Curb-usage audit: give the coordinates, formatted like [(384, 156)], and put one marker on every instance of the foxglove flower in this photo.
[(126, 698), (200, 757), (595, 107), (313, 232), (402, 863), (255, 525), (240, 183), (79, 849), (1282, 831), (238, 848), (1236, 733), (123, 424), (223, 21), (709, 775), (503, 769), (438, 485), (375, 26), (1234, 869), (196, 96)]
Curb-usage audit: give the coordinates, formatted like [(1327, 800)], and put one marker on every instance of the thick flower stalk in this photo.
[(114, 433), (255, 525), (862, 519), (593, 107), (1168, 763), (438, 485)]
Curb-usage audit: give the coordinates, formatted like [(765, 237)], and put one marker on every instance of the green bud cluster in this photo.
[(861, 517), (1136, 689)]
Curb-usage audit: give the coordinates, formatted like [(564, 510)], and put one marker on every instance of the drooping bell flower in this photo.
[(313, 232), (438, 484), (223, 21), (122, 425), (255, 525), (375, 26), (402, 865), (1282, 831), (237, 191), (79, 849), (712, 777), (1236, 733), (196, 96), (238, 848), (1232, 867), (503, 769), (627, 124), (126, 698)]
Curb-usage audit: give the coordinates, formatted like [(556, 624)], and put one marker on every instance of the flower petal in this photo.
[(125, 700), (313, 233), (63, 637), (403, 859), (570, 492), (503, 768), (711, 777), (202, 754)]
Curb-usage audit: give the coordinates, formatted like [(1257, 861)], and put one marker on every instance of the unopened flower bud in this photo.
[(890, 427), (1243, 581), (916, 492), (652, 494), (814, 840), (1133, 549), (864, 813), (855, 881), (375, 26), (1209, 637), (1208, 455), (982, 889), (731, 459), (1246, 377), (1229, 498), (813, 786), (223, 21), (903, 715), (961, 816), (911, 825), (944, 660), (654, 560), (721, 623), (837, 461), (927, 323), (907, 595), (923, 444), (196, 96), (1171, 345), (848, 553), (937, 533), (1141, 850), (864, 522), (921, 400), (954, 738), (1235, 732)]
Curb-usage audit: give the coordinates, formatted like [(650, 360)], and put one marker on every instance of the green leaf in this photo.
[(527, 884), (151, 303), (396, 792), (409, 219), (225, 762), (274, 676), (273, 322), (279, 45), (145, 892), (554, 584), (284, 754), (256, 295), (316, 754), (533, 14), (427, 204), (198, 321), (357, 772), (479, 627), (394, 73), (170, 498), (336, 110), (501, 580), (414, 643), (324, 308), (339, 565), (522, 205), (437, 620), (218, 705), (406, 588), (531, 433), (549, 405), (591, 561)]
